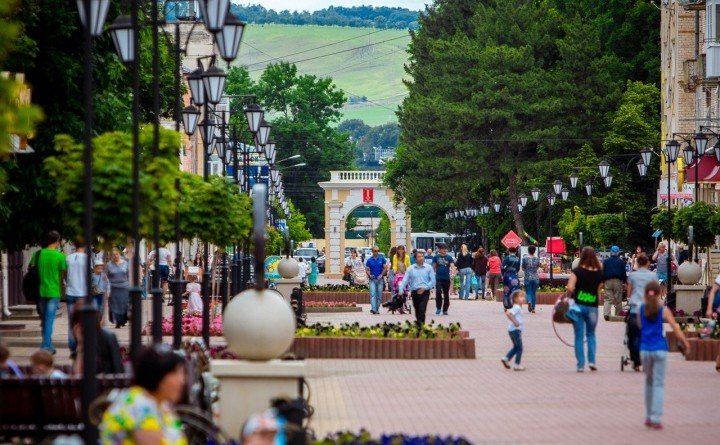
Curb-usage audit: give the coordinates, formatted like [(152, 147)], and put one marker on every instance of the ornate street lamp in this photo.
[(270, 152), (688, 154), (520, 208), (229, 37), (642, 168), (551, 199), (98, 14), (263, 133), (207, 130), (608, 180), (254, 115), (535, 194), (123, 36), (523, 199), (565, 193), (604, 167), (195, 82), (496, 206), (214, 82), (589, 188), (190, 116), (646, 155), (485, 209), (701, 142), (574, 178), (672, 149), (557, 187), (214, 13)]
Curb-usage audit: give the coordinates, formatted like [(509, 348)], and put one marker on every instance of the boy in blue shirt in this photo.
[(442, 263)]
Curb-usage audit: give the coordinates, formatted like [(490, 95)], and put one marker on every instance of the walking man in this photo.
[(442, 263), (52, 268), (615, 276), (421, 278), (163, 268), (375, 269), (76, 288)]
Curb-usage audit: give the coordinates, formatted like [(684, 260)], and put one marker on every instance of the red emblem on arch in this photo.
[(368, 195)]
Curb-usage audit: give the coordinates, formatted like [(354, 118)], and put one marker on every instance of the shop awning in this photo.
[(708, 170)]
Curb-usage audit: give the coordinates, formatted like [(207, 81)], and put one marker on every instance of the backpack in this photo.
[(31, 279)]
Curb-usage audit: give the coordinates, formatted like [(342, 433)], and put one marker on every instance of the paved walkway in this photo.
[(548, 403)]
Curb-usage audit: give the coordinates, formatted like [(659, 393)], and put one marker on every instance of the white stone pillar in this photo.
[(333, 234)]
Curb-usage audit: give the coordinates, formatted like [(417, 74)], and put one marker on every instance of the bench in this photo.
[(39, 407)]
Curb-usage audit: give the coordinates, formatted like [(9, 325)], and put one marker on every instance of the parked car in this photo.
[(321, 263), (306, 253)]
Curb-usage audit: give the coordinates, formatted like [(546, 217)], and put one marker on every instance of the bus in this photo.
[(430, 240)]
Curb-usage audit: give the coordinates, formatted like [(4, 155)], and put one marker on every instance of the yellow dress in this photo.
[(136, 410)]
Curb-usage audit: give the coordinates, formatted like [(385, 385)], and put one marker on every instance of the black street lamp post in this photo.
[(671, 153)]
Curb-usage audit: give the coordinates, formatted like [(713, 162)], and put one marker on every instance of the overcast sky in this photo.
[(314, 5)]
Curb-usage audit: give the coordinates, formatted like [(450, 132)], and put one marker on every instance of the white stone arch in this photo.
[(343, 194)]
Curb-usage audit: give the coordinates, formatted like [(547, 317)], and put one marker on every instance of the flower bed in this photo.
[(331, 306), (365, 438), (191, 326), (337, 288), (382, 341), (342, 296)]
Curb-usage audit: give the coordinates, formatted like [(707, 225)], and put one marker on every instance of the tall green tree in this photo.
[(303, 110), (510, 84)]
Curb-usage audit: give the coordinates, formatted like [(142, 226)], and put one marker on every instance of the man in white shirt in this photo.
[(420, 277), (302, 271), (163, 266), (75, 286)]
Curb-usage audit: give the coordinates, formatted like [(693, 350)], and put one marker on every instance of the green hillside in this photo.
[(363, 61)]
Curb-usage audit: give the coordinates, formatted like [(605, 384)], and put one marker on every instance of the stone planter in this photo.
[(673, 342), (706, 350), (542, 297), (382, 348), (348, 297), (332, 310)]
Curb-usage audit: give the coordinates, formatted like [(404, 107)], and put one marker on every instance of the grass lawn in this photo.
[(367, 65)]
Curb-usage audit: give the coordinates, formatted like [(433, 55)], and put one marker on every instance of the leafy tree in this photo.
[(660, 221), (699, 215), (571, 224), (50, 54), (382, 239), (303, 110), (513, 84), (606, 229), (356, 16)]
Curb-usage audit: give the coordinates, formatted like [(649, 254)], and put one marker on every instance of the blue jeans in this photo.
[(48, 309), (480, 286), (584, 322), (466, 274), (376, 287), (654, 364), (71, 300), (516, 351), (531, 287), (99, 302)]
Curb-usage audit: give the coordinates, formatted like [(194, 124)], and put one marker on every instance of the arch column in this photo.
[(333, 237)]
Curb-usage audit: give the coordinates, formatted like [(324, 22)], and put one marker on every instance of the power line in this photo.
[(338, 52), (258, 49), (362, 62), (312, 49)]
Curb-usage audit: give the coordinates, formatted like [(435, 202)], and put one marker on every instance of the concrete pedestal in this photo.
[(688, 298), (286, 285), (247, 388)]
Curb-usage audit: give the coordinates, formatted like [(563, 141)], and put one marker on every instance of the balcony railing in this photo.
[(357, 176), (692, 4)]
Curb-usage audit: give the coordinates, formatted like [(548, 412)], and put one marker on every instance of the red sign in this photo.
[(368, 195), (555, 245), (511, 239)]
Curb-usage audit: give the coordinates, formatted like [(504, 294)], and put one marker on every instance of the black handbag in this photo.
[(31, 280)]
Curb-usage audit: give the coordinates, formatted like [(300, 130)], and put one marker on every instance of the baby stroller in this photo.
[(625, 359), (399, 301)]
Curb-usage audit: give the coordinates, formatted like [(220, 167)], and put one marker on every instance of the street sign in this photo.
[(368, 195), (511, 239)]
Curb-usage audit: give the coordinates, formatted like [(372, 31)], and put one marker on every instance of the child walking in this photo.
[(653, 351), (515, 328)]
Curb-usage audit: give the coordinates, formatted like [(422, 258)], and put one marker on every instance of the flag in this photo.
[(530, 238)]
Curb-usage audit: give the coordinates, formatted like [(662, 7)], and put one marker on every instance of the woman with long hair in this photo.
[(585, 284), (464, 262), (480, 267), (653, 351), (494, 272), (391, 271)]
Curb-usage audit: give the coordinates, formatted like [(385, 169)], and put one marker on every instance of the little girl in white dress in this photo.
[(195, 304)]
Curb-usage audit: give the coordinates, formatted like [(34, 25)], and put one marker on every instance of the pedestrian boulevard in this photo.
[(549, 403)]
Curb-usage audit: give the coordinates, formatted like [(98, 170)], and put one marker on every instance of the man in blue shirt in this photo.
[(420, 277), (375, 269), (615, 276), (442, 263)]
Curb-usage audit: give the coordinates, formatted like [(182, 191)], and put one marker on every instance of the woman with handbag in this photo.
[(584, 285), (119, 301)]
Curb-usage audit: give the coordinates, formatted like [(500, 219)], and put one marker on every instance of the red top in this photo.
[(494, 264)]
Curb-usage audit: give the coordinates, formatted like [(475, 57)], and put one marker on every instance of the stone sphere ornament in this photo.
[(258, 325), (288, 268), (689, 273)]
